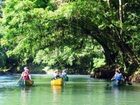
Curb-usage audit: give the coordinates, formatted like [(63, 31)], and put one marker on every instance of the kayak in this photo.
[(116, 83), (57, 82), (26, 83), (29, 83)]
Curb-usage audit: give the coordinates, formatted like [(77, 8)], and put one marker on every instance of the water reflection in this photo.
[(25, 95), (57, 91), (116, 93)]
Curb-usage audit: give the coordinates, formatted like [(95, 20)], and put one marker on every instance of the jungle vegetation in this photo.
[(78, 35)]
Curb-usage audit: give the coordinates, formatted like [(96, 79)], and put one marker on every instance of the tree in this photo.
[(60, 31)]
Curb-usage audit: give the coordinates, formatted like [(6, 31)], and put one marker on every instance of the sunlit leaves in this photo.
[(62, 32)]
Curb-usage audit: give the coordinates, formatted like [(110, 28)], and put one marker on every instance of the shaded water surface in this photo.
[(79, 90)]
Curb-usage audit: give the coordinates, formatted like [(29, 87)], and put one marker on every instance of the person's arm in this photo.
[(30, 77), (113, 77)]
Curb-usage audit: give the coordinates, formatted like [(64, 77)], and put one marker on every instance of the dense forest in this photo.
[(78, 35)]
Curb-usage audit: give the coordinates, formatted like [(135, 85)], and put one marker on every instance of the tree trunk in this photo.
[(109, 53), (130, 60)]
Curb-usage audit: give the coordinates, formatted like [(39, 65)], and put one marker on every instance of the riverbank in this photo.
[(107, 72)]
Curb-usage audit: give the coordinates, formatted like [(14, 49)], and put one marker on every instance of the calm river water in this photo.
[(79, 90)]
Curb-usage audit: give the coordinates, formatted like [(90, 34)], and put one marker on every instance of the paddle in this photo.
[(19, 80)]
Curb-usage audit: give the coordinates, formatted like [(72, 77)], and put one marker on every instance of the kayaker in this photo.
[(118, 77), (56, 74), (25, 78), (64, 73), (25, 74)]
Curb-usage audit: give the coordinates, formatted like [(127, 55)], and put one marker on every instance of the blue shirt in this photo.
[(118, 76)]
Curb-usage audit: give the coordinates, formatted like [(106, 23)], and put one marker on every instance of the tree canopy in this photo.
[(75, 34)]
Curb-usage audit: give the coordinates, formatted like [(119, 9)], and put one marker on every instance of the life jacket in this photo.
[(118, 76), (25, 75)]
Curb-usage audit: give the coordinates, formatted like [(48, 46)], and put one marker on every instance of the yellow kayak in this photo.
[(57, 82)]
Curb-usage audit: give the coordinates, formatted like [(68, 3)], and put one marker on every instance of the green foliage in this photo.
[(74, 34), (3, 58)]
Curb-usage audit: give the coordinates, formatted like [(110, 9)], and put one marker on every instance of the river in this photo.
[(79, 90)]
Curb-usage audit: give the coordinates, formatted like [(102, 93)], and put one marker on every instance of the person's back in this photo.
[(64, 74), (25, 74), (56, 74), (118, 76)]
